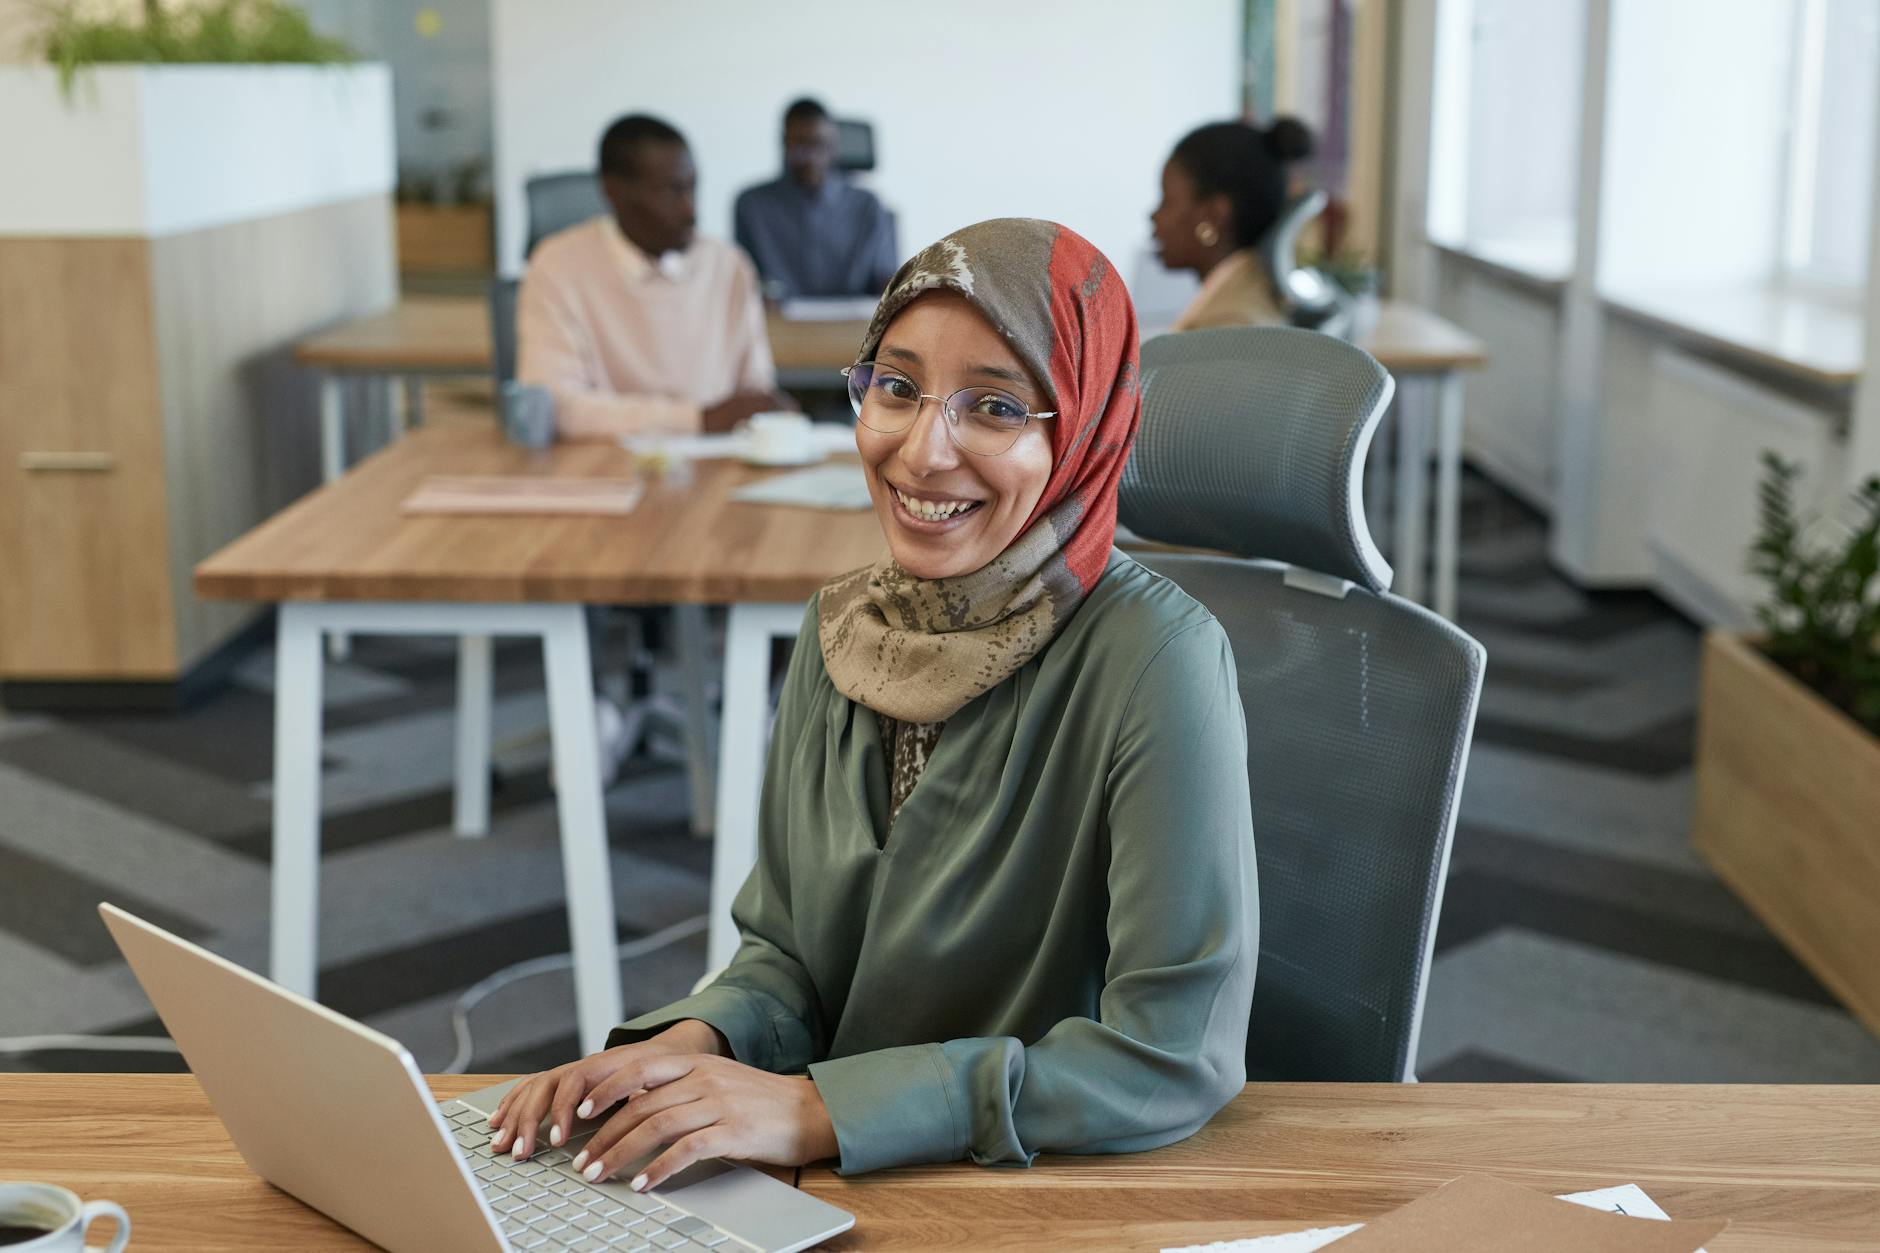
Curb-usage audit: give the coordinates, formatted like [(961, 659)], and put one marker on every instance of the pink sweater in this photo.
[(627, 344)]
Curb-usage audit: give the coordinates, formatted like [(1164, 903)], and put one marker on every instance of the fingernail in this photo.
[(594, 1172), (587, 1108), (554, 1135), (638, 1184), (580, 1159), (501, 1138)]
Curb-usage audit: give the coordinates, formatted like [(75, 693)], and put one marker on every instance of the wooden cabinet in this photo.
[(149, 415)]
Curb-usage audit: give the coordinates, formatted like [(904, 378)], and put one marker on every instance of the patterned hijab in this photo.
[(916, 649)]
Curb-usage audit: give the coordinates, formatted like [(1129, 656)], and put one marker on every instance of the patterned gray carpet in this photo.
[(1580, 937)]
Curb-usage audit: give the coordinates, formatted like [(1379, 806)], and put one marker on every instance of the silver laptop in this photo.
[(337, 1115)]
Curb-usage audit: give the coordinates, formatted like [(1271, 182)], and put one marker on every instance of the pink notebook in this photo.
[(504, 493)]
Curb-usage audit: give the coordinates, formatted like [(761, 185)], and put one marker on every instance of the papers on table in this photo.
[(1504, 1215), (838, 486), (828, 309), (504, 493)]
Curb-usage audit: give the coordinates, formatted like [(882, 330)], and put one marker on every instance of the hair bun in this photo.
[(1288, 139)]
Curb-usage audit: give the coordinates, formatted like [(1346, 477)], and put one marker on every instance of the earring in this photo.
[(1207, 234)]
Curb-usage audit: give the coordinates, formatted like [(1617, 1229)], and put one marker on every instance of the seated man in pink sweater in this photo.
[(634, 321)]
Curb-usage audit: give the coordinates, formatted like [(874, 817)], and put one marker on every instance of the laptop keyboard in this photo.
[(543, 1205)]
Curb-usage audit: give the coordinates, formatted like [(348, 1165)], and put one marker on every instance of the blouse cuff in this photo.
[(736, 1013), (893, 1107)]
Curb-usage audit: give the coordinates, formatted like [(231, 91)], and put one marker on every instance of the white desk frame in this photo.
[(299, 679), (1424, 398)]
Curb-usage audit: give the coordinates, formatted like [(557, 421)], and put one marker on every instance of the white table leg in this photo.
[(694, 668), (585, 866), (472, 806), (332, 466), (1413, 468), (743, 735), (397, 398), (1448, 489), (294, 922)]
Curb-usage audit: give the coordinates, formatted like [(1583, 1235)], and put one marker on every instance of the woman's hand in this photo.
[(704, 1106), (562, 1094)]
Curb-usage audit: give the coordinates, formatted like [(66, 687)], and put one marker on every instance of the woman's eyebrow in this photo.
[(1003, 372), (902, 354)]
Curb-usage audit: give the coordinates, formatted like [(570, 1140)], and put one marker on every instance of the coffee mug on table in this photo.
[(44, 1218), (780, 435), (528, 414)]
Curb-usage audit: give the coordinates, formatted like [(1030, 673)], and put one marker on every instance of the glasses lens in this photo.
[(990, 421), (884, 400)]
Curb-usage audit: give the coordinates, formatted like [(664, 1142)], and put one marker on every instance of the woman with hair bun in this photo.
[(1223, 188)]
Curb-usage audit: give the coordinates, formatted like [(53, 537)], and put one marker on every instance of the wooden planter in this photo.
[(1788, 814), (444, 239)]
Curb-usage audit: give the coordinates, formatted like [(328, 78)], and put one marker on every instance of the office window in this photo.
[(1505, 148), (1830, 165)]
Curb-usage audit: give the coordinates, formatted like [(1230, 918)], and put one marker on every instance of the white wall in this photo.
[(981, 108)]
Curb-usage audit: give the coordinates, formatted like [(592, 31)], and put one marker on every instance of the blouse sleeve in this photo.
[(764, 1002), (1167, 1048)]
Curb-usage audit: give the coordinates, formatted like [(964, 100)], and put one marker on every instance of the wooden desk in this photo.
[(1794, 1168), (1426, 354), (445, 335), (345, 559)]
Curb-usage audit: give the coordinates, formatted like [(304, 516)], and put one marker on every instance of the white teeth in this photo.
[(932, 510)]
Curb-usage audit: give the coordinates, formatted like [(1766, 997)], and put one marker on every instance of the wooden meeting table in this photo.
[(1795, 1169), (345, 558)]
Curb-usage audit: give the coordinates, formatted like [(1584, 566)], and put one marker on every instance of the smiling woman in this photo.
[(1005, 897)]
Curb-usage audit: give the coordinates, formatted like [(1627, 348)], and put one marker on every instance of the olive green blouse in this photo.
[(1056, 949)]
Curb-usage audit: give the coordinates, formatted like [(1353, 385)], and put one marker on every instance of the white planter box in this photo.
[(152, 150)]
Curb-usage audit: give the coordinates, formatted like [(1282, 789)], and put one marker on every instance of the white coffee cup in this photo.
[(780, 436), (65, 1218)]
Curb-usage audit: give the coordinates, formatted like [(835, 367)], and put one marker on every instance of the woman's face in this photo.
[(944, 344), (1175, 219)]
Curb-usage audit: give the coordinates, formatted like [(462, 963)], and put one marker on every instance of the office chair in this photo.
[(1360, 705), (855, 146), (502, 298), (1309, 298), (558, 201)]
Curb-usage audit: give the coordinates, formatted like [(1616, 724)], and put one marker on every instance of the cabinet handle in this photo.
[(77, 462)]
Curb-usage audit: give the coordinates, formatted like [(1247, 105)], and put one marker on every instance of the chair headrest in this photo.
[(1253, 442), (1299, 290)]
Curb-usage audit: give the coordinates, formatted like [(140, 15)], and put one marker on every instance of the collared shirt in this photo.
[(837, 240), (627, 343), (1236, 292)]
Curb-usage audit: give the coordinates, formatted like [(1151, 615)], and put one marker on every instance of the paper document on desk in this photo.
[(1480, 1207), (838, 486), (507, 493)]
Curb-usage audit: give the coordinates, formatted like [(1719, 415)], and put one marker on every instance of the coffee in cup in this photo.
[(45, 1218)]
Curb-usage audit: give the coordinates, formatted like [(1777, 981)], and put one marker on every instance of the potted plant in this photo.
[(1788, 740), (445, 225)]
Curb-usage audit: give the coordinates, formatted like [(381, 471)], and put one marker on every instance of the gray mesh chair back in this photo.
[(503, 329), (1360, 705), (558, 201)]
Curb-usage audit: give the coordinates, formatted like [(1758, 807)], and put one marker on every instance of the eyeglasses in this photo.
[(983, 421)]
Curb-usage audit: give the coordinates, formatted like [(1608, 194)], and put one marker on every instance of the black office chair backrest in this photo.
[(503, 329), (855, 145), (558, 201), (1360, 705)]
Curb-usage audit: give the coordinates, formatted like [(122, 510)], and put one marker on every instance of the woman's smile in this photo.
[(930, 512)]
